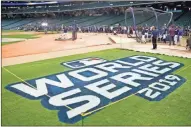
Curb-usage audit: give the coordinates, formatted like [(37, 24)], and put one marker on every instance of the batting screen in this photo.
[(138, 18)]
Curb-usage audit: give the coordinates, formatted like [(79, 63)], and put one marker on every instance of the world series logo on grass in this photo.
[(94, 83)]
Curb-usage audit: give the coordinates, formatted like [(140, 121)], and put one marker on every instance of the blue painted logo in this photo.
[(96, 83), (83, 62)]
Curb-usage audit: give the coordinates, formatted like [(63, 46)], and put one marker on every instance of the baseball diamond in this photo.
[(96, 63)]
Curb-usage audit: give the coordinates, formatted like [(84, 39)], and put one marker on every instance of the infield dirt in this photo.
[(47, 47)]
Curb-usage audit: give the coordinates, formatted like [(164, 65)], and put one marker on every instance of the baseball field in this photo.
[(95, 63), (174, 109)]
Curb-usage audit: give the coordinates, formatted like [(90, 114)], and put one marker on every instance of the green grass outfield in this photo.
[(8, 31), (175, 109), (22, 36), (25, 36), (11, 42)]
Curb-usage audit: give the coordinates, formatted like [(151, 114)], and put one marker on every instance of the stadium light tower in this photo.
[(44, 24)]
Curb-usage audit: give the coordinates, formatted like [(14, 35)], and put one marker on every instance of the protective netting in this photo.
[(139, 19)]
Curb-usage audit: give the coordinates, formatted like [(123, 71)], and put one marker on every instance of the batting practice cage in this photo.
[(138, 18)]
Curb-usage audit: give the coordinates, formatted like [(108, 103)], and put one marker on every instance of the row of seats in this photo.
[(185, 20), (7, 24), (92, 20), (72, 7)]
